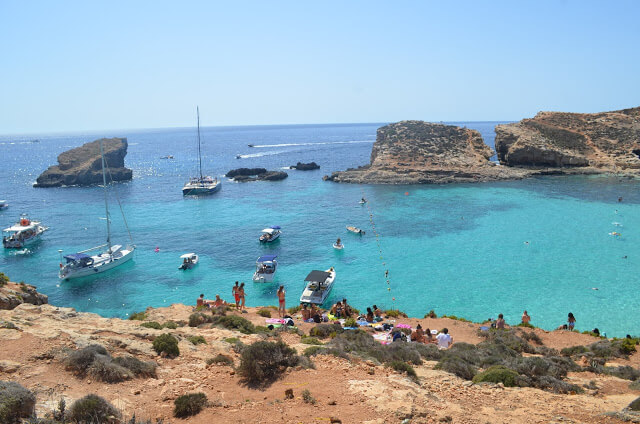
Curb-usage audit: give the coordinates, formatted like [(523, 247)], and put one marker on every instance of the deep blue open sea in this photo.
[(471, 250)]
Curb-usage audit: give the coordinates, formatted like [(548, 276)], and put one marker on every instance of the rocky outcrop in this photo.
[(83, 165), (573, 142), (243, 175), (305, 166), (414, 152), (12, 295)]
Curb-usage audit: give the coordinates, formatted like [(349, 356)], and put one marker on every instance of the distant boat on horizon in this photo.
[(202, 184)]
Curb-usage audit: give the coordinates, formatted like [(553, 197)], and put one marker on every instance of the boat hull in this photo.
[(190, 264), (259, 277), (200, 190), (317, 293), (9, 243), (127, 255), (273, 238)]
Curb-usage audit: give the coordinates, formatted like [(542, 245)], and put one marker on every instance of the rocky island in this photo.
[(416, 152), (243, 175), (83, 165), (573, 142)]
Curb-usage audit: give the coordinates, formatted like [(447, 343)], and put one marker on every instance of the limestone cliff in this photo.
[(83, 165), (575, 142), (12, 295), (414, 152)]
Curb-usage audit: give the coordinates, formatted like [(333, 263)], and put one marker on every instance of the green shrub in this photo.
[(525, 325), (92, 409), (497, 374), (172, 325), (136, 366), (307, 398), (457, 366), (151, 324), (635, 385), (189, 404), (263, 362), (104, 369), (166, 343), (404, 367), (310, 341), (138, 316), (3, 279), (196, 319), (628, 346), (8, 325), (453, 317), (295, 309), (221, 360), (196, 340), (350, 322), (232, 340), (264, 312), (431, 314), (234, 322), (16, 402), (314, 350), (395, 313), (635, 405), (625, 372), (531, 337), (325, 330), (573, 350), (95, 361), (79, 361)]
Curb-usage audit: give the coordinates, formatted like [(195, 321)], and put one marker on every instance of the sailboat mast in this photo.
[(106, 203), (199, 154)]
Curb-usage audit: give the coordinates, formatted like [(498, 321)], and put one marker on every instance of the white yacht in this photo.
[(3, 204), (189, 260), (319, 284), (202, 184), (270, 234), (266, 267), (22, 233), (81, 264)]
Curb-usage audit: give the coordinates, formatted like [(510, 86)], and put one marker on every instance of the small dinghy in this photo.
[(189, 260), (338, 245), (355, 230)]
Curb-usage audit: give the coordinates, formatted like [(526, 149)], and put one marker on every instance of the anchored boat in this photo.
[(22, 233), (319, 285), (266, 267)]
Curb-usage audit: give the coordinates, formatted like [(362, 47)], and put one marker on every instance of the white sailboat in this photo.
[(81, 264), (202, 184)]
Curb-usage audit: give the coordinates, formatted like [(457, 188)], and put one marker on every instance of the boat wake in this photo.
[(255, 146), (257, 155)]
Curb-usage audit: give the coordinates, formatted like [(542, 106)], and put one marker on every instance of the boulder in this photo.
[(266, 176), (573, 142), (83, 165), (305, 166), (12, 295), (245, 172)]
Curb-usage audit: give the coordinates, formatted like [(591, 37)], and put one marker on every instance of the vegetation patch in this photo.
[(232, 340), (138, 316), (221, 359), (635, 405), (405, 368), (16, 402), (604, 349), (166, 344), (497, 374), (525, 325), (3, 279), (196, 319), (196, 340), (189, 404), (326, 330), (264, 362), (395, 313), (95, 361), (294, 309), (310, 340), (431, 314), (264, 312), (152, 324), (453, 317), (234, 322), (314, 350), (92, 409), (307, 397)]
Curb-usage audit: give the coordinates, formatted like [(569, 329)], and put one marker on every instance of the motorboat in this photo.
[(250, 145), (3, 204), (270, 234), (238, 156), (355, 230), (81, 264), (266, 267), (189, 260), (363, 201), (319, 284), (22, 233), (201, 184), (167, 157)]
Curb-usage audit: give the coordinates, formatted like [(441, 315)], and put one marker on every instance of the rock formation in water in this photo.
[(414, 152), (244, 175), (305, 166), (83, 165), (573, 142), (12, 295)]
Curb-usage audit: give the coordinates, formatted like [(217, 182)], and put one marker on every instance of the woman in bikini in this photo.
[(236, 295), (241, 293), (281, 309)]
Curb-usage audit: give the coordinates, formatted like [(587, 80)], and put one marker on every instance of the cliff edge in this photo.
[(83, 165), (573, 142), (416, 152)]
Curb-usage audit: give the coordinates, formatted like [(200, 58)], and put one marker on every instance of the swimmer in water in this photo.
[(526, 242)]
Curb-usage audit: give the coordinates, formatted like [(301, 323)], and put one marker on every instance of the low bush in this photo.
[(497, 374), (554, 385), (350, 322), (189, 404), (263, 362), (221, 359), (325, 330), (628, 346), (314, 350), (264, 312), (635, 385), (457, 366), (234, 322), (635, 405), (525, 325), (531, 337), (16, 402), (196, 340), (403, 367), (573, 350), (79, 361), (104, 369), (625, 372), (196, 319), (152, 324), (3, 279), (167, 344), (295, 309), (95, 361), (307, 397), (395, 313), (431, 314), (453, 317), (172, 325), (138, 316), (136, 366), (92, 409), (232, 340), (310, 341)]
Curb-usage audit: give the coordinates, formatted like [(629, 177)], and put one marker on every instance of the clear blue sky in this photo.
[(94, 65)]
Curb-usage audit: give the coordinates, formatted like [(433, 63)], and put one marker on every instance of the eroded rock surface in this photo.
[(12, 295)]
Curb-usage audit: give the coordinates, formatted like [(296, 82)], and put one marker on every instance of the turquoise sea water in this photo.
[(458, 249)]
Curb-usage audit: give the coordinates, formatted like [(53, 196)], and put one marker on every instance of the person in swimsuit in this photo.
[(306, 313), (218, 302), (281, 303), (500, 322), (236, 295), (571, 320), (241, 293), (525, 318)]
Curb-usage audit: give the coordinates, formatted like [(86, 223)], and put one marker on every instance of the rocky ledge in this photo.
[(416, 152), (244, 175), (83, 165), (305, 166), (12, 295), (573, 142)]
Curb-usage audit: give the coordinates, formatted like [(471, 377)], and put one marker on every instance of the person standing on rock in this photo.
[(281, 302), (525, 318), (571, 320), (241, 295), (236, 295)]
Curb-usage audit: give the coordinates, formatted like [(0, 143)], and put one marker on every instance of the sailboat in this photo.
[(201, 184), (82, 264)]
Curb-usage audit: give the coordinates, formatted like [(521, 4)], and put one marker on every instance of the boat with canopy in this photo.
[(266, 267), (319, 285)]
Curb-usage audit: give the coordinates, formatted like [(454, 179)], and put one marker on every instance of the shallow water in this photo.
[(472, 250)]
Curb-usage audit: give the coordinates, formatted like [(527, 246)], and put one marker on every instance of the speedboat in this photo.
[(189, 260), (266, 267), (3, 204), (355, 230), (238, 156), (319, 284), (250, 145), (167, 157), (270, 234), (22, 233)]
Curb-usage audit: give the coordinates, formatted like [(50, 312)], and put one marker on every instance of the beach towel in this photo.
[(362, 323), (274, 321), (403, 326)]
